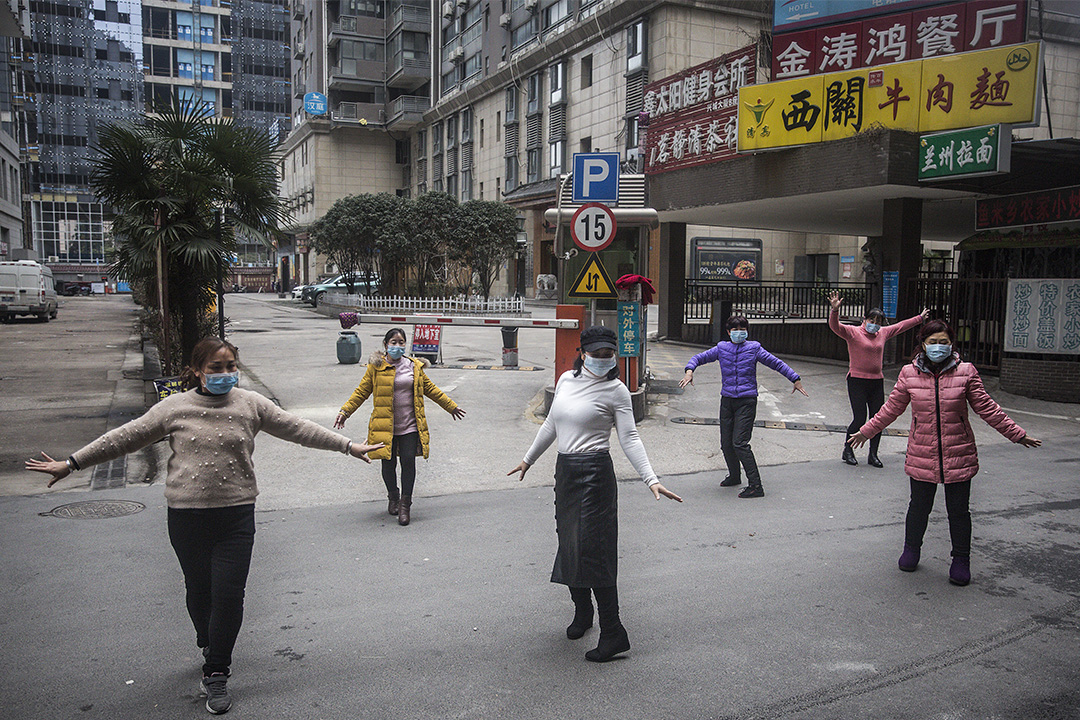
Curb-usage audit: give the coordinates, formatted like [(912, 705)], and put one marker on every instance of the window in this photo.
[(511, 174), (450, 79), (533, 93), (557, 156), (466, 185), (524, 34), (511, 104), (635, 46), (481, 131), (473, 66), (451, 131), (586, 72), (586, 145), (631, 132), (532, 169), (370, 8), (556, 80), (421, 144), (556, 13), (436, 138), (452, 186), (498, 126), (352, 52), (482, 190), (466, 126)]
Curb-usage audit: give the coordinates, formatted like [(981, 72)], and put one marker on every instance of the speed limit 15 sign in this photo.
[(593, 227)]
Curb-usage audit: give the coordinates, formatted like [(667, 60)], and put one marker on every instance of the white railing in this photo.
[(440, 306)]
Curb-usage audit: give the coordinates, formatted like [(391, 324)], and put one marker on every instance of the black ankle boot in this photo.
[(613, 641), (849, 455), (872, 460)]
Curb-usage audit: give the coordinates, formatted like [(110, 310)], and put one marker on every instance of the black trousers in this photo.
[(214, 546), (403, 450), (865, 394), (607, 603), (736, 426), (957, 498)]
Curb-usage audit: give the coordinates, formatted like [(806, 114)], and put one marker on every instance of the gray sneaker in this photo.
[(214, 687)]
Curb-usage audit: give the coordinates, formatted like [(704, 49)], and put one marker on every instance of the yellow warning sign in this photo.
[(593, 281)]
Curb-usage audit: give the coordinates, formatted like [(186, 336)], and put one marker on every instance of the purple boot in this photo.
[(909, 559), (960, 572)]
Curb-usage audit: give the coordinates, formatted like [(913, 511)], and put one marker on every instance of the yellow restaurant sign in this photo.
[(944, 93)]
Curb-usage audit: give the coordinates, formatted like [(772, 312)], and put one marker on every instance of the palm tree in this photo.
[(185, 186)]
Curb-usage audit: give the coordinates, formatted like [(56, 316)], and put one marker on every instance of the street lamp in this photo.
[(522, 239)]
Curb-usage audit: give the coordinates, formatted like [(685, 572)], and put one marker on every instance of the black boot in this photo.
[(613, 637), (872, 460), (583, 613), (392, 502), (849, 455)]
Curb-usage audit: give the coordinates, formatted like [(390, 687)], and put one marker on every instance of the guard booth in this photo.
[(625, 253)]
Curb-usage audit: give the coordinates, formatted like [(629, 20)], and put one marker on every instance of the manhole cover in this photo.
[(96, 509), (251, 330)]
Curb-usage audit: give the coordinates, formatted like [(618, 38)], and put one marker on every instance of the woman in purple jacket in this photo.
[(738, 398)]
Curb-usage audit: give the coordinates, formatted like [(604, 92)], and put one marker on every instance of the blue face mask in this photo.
[(872, 328), (739, 336), (220, 383), (938, 353), (599, 366), (395, 352)]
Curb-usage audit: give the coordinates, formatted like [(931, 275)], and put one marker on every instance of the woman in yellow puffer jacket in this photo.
[(397, 417)]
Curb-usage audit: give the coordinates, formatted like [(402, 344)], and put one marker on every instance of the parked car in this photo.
[(297, 292), (361, 286), (27, 288)]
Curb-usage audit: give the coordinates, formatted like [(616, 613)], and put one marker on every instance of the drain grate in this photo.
[(110, 475), (95, 509)]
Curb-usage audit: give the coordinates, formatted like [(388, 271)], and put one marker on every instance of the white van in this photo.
[(26, 288)]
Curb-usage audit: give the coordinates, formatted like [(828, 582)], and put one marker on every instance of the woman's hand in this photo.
[(799, 387), (835, 300), (522, 468), (59, 469), (339, 421), (925, 314), (688, 379), (458, 413), (359, 450), (658, 490), (1026, 441), (857, 440)]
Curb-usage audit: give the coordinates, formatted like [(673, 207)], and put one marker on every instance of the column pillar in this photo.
[(671, 276), (901, 247)]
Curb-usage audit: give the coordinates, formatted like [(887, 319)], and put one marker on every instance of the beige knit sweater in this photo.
[(212, 438)]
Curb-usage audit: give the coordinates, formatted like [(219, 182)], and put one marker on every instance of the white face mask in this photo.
[(599, 366)]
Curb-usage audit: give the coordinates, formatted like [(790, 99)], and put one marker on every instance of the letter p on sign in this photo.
[(596, 177)]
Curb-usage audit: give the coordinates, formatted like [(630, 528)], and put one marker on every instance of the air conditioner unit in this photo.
[(346, 111), (462, 3), (457, 54), (531, 5), (504, 20), (54, 259), (448, 10)]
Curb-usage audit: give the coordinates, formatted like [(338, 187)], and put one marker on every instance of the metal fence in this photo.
[(441, 306), (781, 300), (974, 307)]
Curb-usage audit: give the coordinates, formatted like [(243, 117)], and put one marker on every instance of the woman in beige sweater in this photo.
[(210, 489)]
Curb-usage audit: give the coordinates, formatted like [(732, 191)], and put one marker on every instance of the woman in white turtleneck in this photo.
[(589, 400)]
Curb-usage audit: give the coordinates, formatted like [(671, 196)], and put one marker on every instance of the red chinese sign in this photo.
[(692, 114), (426, 339), (917, 35), (1037, 208)]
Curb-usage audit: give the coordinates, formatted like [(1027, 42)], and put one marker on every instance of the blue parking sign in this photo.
[(596, 177)]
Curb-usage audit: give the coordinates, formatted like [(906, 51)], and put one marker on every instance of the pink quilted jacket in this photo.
[(941, 447)]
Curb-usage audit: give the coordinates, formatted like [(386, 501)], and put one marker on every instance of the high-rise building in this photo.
[(365, 67), (14, 28), (107, 61)]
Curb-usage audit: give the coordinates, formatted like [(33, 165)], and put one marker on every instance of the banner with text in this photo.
[(1043, 316)]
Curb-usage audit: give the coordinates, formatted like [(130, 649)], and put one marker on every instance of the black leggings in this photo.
[(957, 497), (213, 546), (865, 394), (403, 449), (607, 604)]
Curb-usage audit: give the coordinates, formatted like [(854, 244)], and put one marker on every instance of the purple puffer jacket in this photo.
[(941, 446), (738, 366)]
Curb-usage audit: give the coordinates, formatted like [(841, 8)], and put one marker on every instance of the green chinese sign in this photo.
[(965, 153)]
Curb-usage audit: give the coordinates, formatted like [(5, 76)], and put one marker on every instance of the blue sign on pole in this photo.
[(315, 103), (890, 290), (596, 178)]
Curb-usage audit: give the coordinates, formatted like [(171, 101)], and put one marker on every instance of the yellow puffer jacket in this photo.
[(379, 378)]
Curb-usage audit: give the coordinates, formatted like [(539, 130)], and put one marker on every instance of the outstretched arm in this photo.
[(59, 469)]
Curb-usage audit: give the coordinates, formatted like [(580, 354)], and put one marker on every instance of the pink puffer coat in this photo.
[(941, 447)]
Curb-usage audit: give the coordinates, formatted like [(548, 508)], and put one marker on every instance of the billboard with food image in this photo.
[(726, 259)]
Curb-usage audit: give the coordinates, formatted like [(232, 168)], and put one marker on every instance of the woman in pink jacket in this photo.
[(941, 446), (865, 379)]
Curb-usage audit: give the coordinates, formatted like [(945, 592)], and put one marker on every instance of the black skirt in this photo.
[(586, 520)]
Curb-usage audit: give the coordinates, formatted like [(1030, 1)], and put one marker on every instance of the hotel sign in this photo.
[(924, 33), (967, 90), (692, 113)]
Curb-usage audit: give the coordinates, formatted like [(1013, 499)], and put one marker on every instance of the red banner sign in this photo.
[(1037, 208), (923, 33), (692, 113)]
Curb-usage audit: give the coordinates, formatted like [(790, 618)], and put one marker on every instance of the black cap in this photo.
[(598, 337)]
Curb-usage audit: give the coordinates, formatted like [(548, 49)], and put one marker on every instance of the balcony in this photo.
[(298, 9), (367, 73), (299, 90), (344, 28), (298, 51), (406, 112), (411, 18), (357, 113), (408, 73)]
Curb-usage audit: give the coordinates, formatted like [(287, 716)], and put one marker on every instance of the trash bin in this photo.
[(348, 348), (510, 348)]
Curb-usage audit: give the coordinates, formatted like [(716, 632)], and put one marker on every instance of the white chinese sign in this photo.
[(1043, 316)]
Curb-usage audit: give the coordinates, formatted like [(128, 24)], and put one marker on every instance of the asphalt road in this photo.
[(789, 606)]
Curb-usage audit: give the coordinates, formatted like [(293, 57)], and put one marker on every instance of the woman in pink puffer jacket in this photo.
[(941, 445)]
